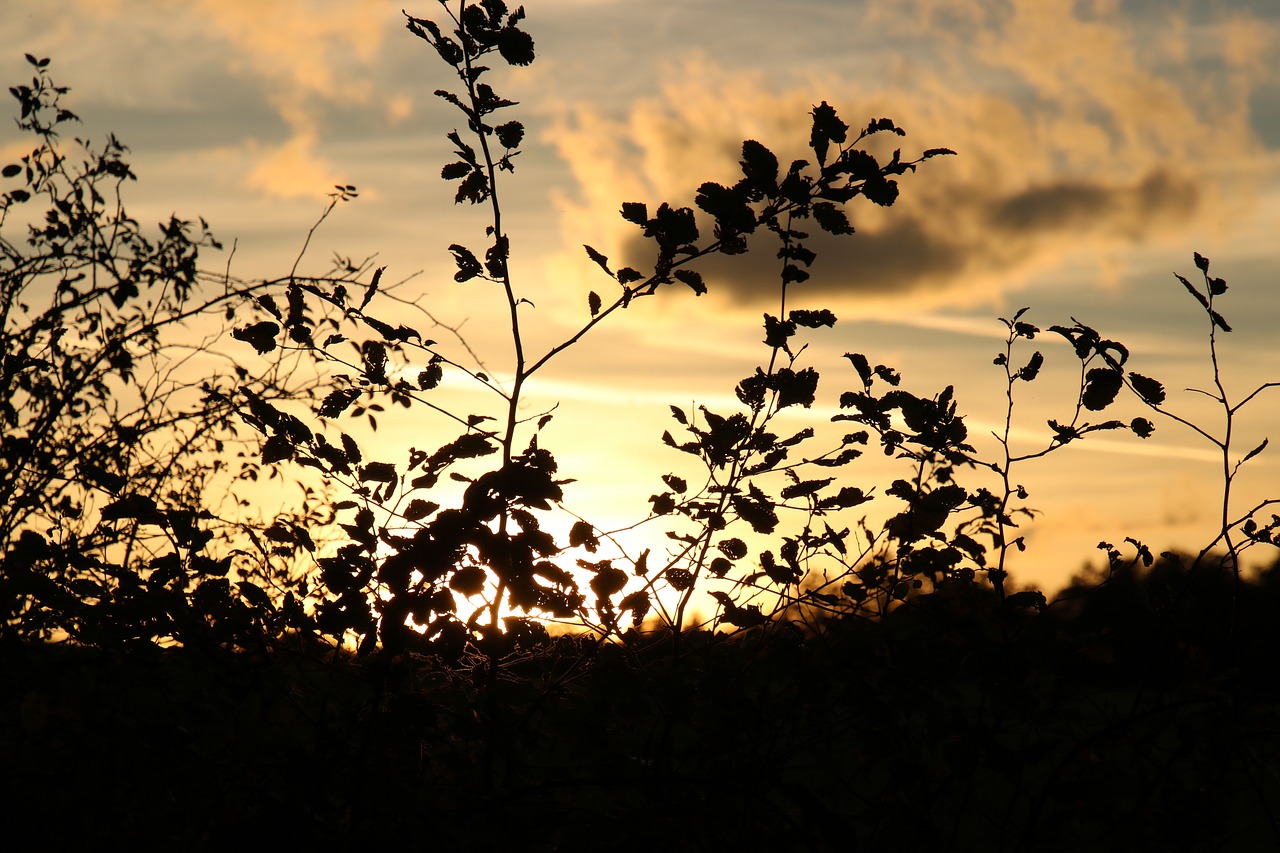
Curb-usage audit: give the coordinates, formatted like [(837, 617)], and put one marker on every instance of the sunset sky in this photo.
[(1099, 145)]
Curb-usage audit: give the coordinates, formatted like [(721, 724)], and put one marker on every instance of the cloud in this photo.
[(305, 55), (291, 170), (1078, 129), (303, 48)]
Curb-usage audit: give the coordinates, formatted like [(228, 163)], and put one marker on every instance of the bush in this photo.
[(112, 458)]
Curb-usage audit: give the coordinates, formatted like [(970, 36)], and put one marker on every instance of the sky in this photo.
[(1099, 144)]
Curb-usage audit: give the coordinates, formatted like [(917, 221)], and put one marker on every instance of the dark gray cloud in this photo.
[(1066, 205), (931, 244), (899, 258)]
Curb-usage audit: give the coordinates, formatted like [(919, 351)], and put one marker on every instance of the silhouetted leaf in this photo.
[(862, 366), (879, 125), (635, 211), (680, 579), (373, 287), (804, 488), (381, 472), (693, 279), (593, 303), (1142, 427), (261, 335), (732, 213), (474, 188), (756, 510), (489, 101), (881, 191), (638, 604), (267, 303), (1148, 389), (1063, 433), (812, 319), (608, 580), (510, 134), (795, 187), (516, 46), (583, 535), (374, 356), (784, 575), (759, 167), (455, 171), (468, 266), (1255, 451), (797, 438), (469, 580), (1032, 368), (337, 402), (599, 259), (419, 509), (734, 548), (831, 218), (495, 258), (674, 483), (663, 504), (277, 448), (431, 376), (673, 228), (795, 387), (1101, 386), (106, 480), (827, 128), (1192, 290), (776, 333), (859, 165)]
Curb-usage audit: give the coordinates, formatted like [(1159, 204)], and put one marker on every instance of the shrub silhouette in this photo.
[(492, 544), (855, 686), (111, 461)]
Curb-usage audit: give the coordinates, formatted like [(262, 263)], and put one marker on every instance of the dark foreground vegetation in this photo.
[(1105, 723), (373, 665)]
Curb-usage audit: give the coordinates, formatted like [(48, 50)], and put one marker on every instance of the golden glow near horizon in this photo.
[(1099, 144)]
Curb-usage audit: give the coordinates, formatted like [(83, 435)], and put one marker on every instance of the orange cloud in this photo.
[(306, 53), (291, 170)]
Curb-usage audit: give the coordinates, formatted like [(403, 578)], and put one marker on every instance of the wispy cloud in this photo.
[(305, 55)]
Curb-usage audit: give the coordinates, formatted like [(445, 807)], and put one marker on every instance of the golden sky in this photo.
[(1099, 144)]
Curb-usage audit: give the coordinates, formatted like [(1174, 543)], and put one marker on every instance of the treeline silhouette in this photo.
[(1110, 722)]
